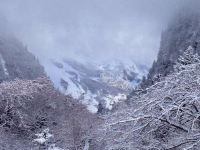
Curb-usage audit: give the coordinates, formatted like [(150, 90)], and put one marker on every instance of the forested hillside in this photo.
[(165, 116), (182, 31), (16, 61)]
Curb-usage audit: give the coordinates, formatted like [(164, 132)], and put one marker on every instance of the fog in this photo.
[(90, 30)]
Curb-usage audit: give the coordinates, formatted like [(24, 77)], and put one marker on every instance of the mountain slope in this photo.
[(30, 106), (165, 116), (182, 31), (16, 61), (29, 111), (95, 84)]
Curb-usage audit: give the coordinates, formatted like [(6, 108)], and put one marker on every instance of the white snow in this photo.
[(90, 101), (87, 145), (56, 74), (110, 100), (4, 65), (53, 147), (43, 137), (111, 74), (114, 74)]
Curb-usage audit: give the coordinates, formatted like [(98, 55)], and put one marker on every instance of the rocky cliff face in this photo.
[(182, 31), (16, 61)]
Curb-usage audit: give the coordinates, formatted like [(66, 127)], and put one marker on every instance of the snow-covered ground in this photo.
[(43, 139)]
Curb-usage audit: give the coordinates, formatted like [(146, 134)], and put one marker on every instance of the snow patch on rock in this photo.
[(4, 65), (43, 137), (110, 100)]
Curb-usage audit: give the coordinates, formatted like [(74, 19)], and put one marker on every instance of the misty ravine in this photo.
[(100, 75)]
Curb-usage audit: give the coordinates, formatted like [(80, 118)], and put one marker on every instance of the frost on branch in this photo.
[(164, 117), (16, 97), (29, 107)]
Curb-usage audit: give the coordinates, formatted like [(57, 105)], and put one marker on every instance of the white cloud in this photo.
[(91, 29)]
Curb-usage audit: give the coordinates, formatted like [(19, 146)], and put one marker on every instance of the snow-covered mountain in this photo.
[(16, 61), (182, 31), (95, 84)]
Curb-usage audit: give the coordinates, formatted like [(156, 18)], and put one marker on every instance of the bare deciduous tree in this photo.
[(28, 107), (164, 117)]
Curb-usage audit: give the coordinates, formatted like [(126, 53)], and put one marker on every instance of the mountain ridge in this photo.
[(96, 84), (182, 31), (16, 61)]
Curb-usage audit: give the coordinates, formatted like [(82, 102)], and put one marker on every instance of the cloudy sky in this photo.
[(92, 30)]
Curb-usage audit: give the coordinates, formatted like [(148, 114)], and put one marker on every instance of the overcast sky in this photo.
[(100, 30)]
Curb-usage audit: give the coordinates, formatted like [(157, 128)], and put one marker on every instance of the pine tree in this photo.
[(188, 58), (165, 116)]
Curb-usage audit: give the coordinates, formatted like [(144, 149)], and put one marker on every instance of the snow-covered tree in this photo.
[(32, 111), (189, 57), (164, 117)]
